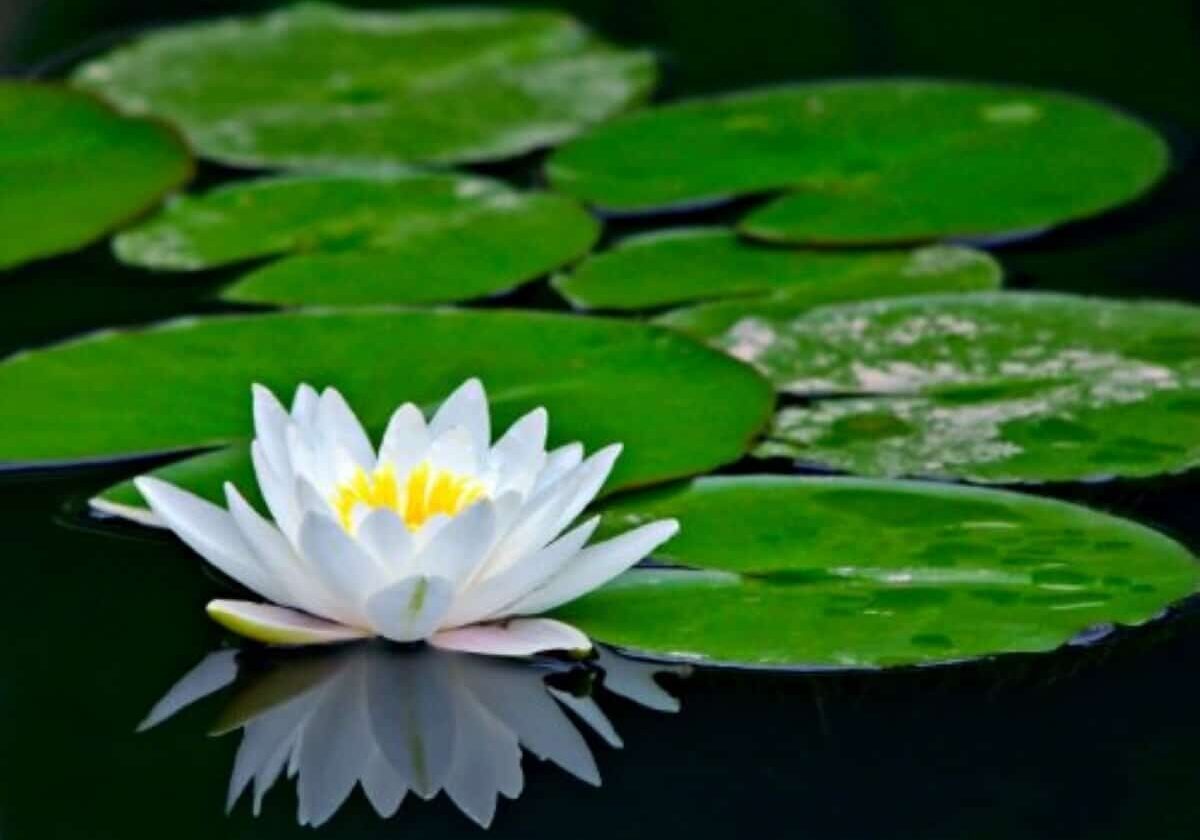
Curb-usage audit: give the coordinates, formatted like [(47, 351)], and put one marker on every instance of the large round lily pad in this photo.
[(71, 169), (872, 161), (836, 572), (317, 86), (363, 239), (987, 387), (187, 383), (690, 264)]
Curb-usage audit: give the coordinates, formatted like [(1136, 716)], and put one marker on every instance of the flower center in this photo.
[(426, 491)]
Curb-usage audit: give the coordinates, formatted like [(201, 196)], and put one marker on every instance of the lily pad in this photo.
[(316, 86), (363, 239), (690, 264), (857, 573), (873, 160), (986, 387), (71, 169), (186, 383)]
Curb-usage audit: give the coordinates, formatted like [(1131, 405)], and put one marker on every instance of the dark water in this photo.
[(1099, 742)]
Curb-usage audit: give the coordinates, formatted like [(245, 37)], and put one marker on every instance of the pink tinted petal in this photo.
[(519, 637)]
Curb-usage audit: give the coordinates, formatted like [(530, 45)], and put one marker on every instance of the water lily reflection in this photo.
[(397, 721)]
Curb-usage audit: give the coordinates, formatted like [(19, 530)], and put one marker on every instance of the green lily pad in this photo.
[(186, 383), (363, 239), (872, 161), (857, 573), (71, 169), (986, 387), (314, 86), (690, 264)]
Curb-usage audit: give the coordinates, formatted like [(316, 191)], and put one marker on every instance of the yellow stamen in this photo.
[(426, 491)]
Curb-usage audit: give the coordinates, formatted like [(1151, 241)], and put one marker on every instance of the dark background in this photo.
[(1089, 743)]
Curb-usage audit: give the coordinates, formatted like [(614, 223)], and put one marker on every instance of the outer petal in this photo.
[(486, 599), (558, 463), (553, 509), (406, 440), (277, 491), (519, 456), (274, 552), (270, 428), (411, 609), (209, 531), (519, 637), (596, 565), (279, 625), (466, 407)]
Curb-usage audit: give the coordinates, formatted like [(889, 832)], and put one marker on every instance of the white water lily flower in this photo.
[(439, 535)]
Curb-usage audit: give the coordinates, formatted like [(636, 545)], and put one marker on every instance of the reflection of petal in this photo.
[(487, 762), (393, 721), (635, 680), (214, 672), (407, 697), (335, 747), (589, 713), (526, 709)]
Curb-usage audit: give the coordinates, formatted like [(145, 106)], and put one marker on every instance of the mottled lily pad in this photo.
[(856, 573), (690, 264), (71, 169), (187, 383), (986, 387), (364, 239), (871, 161), (318, 86)]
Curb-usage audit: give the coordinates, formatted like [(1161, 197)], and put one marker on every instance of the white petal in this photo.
[(410, 610), (461, 545), (348, 572), (455, 450), (337, 423), (270, 428), (277, 492), (545, 516), (520, 454), (466, 407), (488, 598), (214, 672), (558, 463), (596, 565), (274, 552), (304, 406), (406, 440), (210, 532), (279, 625), (387, 538), (519, 637)]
